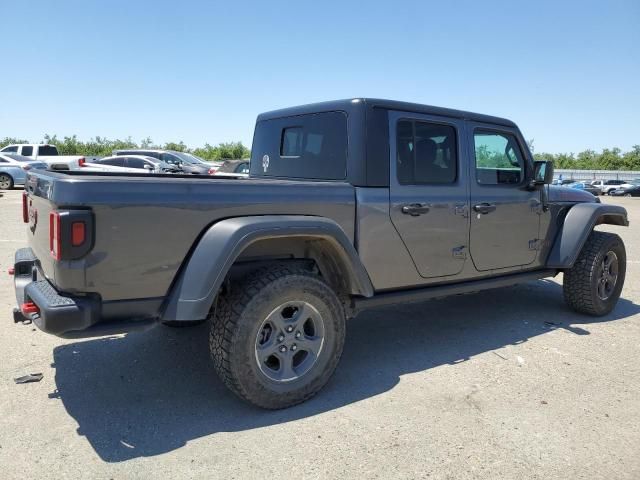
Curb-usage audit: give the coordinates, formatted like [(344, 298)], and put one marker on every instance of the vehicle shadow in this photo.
[(150, 393)]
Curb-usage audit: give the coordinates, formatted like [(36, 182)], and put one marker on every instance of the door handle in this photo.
[(415, 209), (484, 208)]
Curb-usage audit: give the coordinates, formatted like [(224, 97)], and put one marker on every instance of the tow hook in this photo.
[(18, 316), (25, 313)]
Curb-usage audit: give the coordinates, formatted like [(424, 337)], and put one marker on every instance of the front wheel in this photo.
[(277, 337), (594, 283), (6, 182)]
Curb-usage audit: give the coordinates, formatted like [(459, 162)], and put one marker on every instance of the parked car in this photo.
[(236, 168), (631, 191), (607, 186), (187, 162), (131, 163), (585, 186), (350, 205), (14, 168), (47, 154)]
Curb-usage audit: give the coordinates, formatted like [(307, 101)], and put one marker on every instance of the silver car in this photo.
[(14, 168)]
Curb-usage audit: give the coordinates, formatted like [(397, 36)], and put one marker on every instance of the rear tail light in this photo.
[(26, 167), (81, 162), (71, 233), (25, 208), (55, 234), (212, 171)]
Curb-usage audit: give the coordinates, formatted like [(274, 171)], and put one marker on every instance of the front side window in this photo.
[(169, 158), (26, 151), (426, 153), (136, 163), (498, 158)]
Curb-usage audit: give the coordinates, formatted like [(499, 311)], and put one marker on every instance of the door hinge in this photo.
[(461, 210), (460, 252), (535, 244)]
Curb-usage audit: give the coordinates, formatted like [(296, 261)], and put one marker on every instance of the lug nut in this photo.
[(283, 349), (294, 347), (298, 334), (289, 329), (281, 338)]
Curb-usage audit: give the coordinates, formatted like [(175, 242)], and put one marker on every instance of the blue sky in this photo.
[(567, 72)]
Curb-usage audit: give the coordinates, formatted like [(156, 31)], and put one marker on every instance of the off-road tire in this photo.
[(580, 285), (237, 319), (6, 181)]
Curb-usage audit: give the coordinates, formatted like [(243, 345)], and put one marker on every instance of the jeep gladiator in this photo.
[(349, 205)]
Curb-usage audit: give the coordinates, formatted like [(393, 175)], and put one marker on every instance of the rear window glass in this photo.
[(306, 146)]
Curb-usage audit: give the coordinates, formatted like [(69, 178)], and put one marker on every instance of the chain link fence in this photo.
[(579, 175)]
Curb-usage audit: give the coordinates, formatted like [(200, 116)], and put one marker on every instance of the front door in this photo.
[(505, 212), (429, 196)]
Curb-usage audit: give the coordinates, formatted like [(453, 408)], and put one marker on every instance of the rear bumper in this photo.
[(57, 314), (74, 316)]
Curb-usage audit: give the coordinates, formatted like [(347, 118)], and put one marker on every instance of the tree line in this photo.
[(102, 147), (607, 159)]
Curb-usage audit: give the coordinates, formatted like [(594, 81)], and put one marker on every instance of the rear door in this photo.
[(429, 191), (505, 213)]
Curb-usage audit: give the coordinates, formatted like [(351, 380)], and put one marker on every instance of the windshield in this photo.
[(189, 158)]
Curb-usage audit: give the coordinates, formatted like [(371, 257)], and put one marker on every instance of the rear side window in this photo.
[(10, 149), (47, 150), (426, 153), (26, 151), (115, 162), (498, 158), (310, 146)]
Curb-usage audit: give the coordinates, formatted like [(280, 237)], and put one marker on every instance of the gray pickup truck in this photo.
[(349, 205)]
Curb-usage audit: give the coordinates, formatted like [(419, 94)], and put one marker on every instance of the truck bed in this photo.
[(147, 224)]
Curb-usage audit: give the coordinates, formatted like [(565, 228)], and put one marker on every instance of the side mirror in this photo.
[(542, 172), (148, 167)]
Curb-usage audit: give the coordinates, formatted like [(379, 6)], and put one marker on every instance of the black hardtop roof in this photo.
[(351, 104)]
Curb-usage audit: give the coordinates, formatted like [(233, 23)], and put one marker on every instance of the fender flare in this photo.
[(199, 280), (578, 225)]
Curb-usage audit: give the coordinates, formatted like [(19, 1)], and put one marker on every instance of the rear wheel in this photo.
[(594, 283), (276, 339), (6, 182)]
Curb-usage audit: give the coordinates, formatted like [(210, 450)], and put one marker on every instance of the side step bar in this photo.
[(439, 291)]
